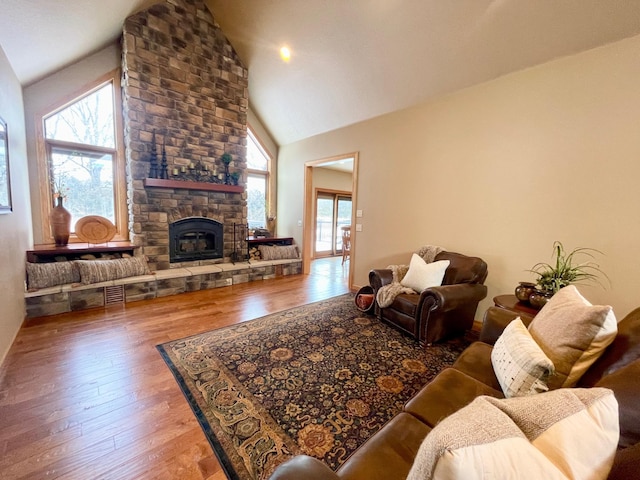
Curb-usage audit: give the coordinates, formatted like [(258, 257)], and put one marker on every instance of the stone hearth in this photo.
[(75, 297)]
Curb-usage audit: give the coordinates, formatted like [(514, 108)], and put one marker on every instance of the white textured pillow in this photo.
[(573, 333), (563, 434), (422, 275), (520, 365)]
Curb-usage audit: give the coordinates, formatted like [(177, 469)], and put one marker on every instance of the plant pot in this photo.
[(539, 298), (524, 291), (60, 220)]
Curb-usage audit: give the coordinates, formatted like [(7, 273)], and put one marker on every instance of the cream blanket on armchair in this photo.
[(388, 293)]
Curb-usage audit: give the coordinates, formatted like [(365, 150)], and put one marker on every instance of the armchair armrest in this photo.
[(379, 278), (446, 298), (496, 320), (447, 310), (303, 467)]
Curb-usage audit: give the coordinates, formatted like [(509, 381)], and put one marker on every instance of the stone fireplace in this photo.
[(184, 87)]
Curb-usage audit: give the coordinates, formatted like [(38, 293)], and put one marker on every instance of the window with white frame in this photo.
[(83, 161), (258, 166)]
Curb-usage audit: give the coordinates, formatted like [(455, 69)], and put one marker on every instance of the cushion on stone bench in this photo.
[(44, 275), (278, 252), (96, 271)]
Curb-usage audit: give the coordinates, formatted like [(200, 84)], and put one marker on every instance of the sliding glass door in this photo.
[(333, 211)]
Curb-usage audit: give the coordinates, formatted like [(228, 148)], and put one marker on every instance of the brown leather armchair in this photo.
[(438, 312)]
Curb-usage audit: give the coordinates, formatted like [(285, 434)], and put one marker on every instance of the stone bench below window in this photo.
[(162, 283)]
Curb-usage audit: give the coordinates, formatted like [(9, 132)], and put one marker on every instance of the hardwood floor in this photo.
[(86, 395)]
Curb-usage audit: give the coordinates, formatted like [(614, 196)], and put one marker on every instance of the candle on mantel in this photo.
[(192, 166), (183, 169), (220, 176), (175, 172)]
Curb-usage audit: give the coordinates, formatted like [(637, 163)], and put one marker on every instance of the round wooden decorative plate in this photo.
[(95, 229)]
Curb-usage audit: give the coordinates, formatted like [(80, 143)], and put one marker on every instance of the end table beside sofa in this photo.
[(390, 453)]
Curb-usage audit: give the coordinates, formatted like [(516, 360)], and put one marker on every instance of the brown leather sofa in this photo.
[(438, 312), (390, 453)]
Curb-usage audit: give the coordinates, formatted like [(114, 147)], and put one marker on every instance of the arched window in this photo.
[(83, 160), (258, 168)]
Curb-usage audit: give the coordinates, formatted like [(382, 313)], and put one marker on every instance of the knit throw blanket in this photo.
[(388, 293)]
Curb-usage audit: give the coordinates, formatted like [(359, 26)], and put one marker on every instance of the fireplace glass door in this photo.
[(195, 239)]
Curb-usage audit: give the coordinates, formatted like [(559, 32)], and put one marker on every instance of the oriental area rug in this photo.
[(319, 379)]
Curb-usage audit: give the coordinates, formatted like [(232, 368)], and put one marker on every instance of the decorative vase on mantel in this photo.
[(60, 219)]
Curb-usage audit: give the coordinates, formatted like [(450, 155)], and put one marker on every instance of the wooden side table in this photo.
[(510, 302)]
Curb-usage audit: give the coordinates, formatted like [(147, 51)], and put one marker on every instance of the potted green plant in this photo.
[(235, 177), (226, 158), (566, 270)]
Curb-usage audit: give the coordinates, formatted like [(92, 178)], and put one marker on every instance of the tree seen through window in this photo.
[(81, 151)]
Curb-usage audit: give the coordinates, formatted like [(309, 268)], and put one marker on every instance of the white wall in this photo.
[(500, 171), (15, 227), (329, 179)]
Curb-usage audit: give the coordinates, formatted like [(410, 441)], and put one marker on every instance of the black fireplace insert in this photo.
[(195, 238)]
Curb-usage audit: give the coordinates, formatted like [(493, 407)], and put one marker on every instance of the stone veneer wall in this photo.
[(181, 78)]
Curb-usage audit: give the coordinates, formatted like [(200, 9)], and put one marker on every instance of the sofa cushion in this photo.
[(624, 350), (475, 361), (96, 271), (573, 333), (422, 275), (568, 433), (625, 384), (389, 453), (462, 269), (520, 365), (450, 391), (625, 465), (406, 303)]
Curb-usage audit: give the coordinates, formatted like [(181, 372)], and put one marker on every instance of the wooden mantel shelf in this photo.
[(211, 187)]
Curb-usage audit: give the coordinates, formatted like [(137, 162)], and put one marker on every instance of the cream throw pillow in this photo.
[(422, 275), (573, 334), (563, 434), (520, 365)]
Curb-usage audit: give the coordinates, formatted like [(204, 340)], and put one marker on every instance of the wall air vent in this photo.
[(113, 295)]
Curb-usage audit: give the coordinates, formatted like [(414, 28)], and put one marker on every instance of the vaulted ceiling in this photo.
[(351, 59)]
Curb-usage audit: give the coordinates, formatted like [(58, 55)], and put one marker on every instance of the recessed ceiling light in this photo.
[(285, 54)]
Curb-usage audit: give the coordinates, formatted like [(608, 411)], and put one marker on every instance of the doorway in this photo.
[(332, 212), (312, 172)]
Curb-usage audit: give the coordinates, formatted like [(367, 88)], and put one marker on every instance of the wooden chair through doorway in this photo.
[(346, 242)]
